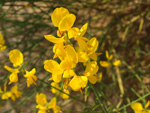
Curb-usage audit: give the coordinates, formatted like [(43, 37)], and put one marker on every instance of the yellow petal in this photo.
[(83, 29), (82, 57), (11, 69), (56, 77), (13, 78), (92, 79), (52, 103), (117, 63), (71, 54), (6, 95), (104, 64), (82, 44), (52, 66), (73, 32), (53, 39), (92, 45), (58, 15), (16, 57), (109, 57), (147, 104), (137, 106), (67, 22)]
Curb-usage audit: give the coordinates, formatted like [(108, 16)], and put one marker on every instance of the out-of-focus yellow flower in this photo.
[(138, 108), (41, 101), (108, 63), (52, 105), (31, 78), (62, 19), (16, 57), (15, 93), (2, 42), (14, 74)]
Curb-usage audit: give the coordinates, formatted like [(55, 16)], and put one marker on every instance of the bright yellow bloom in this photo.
[(138, 108), (78, 82), (14, 76), (90, 52), (31, 78), (2, 42), (16, 57), (62, 19), (109, 58), (52, 105), (90, 71)]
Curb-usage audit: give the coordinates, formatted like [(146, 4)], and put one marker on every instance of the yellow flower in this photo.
[(2, 42), (6, 95), (14, 76), (41, 101), (109, 58), (62, 19), (31, 78), (78, 82), (53, 67), (15, 93), (16, 57), (90, 71), (52, 105), (138, 108)]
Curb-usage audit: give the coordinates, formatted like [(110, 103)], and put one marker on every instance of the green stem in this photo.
[(98, 97), (65, 93)]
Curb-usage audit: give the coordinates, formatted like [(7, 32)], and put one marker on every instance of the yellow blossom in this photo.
[(31, 78), (14, 74), (16, 57), (52, 105), (78, 82), (108, 63), (62, 19), (15, 93)]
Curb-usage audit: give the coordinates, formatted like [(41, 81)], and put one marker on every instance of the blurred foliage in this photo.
[(122, 28)]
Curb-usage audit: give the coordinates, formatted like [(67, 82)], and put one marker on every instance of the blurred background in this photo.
[(121, 26)]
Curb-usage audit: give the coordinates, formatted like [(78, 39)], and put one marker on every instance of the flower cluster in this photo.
[(16, 58), (81, 52), (44, 106)]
